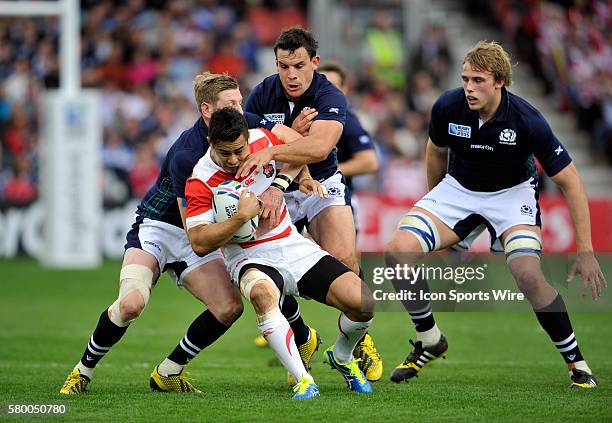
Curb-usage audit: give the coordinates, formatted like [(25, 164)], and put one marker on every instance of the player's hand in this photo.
[(311, 187), (587, 266), (248, 205), (304, 120), (272, 199), (255, 161)]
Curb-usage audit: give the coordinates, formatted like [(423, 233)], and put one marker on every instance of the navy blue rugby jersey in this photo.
[(269, 101), (353, 140), (499, 154), (159, 203)]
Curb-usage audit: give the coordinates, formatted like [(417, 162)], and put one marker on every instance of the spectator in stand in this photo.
[(383, 48), (19, 189), (432, 54), (146, 168), (602, 131), (568, 46)]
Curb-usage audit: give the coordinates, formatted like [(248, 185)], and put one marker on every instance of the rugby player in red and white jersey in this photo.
[(279, 260)]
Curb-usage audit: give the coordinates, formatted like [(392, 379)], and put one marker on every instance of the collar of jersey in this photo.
[(202, 128)]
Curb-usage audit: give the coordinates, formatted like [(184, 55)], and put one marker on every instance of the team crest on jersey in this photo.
[(508, 137), (268, 170), (459, 130), (275, 117)]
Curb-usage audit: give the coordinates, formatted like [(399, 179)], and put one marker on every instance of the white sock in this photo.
[(429, 337), (169, 367), (279, 335), (85, 371), (350, 333), (582, 365)]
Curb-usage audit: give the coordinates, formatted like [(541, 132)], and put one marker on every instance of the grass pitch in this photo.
[(500, 367)]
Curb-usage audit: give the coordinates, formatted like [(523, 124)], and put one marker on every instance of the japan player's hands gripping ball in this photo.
[(225, 205)]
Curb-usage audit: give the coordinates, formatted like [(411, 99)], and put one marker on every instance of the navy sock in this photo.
[(104, 337)]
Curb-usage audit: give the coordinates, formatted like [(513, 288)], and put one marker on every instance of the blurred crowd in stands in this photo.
[(569, 45), (143, 55)]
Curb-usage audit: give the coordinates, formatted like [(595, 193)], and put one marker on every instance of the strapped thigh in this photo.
[(522, 242), (423, 228)]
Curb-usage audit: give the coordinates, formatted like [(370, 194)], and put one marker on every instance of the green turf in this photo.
[(501, 366)]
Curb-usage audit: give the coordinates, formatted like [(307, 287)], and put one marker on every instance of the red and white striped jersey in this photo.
[(207, 175)]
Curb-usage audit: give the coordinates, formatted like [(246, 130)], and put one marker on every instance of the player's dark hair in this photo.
[(295, 37), (334, 67), (226, 125)]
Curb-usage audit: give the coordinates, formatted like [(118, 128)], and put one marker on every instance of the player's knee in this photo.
[(363, 309), (352, 296), (134, 293), (259, 289), (228, 311), (131, 306), (401, 245), (262, 296), (529, 282), (393, 247), (404, 252)]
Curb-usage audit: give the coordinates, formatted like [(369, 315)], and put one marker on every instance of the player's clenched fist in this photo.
[(248, 205)]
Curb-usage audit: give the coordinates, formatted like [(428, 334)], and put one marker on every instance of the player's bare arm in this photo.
[(205, 238), (324, 134), (285, 134), (586, 264), (436, 159), (362, 162)]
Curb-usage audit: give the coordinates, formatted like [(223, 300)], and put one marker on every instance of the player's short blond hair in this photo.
[(207, 86), (491, 56)]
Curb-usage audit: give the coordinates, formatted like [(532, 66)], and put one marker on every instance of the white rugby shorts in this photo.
[(300, 205), (292, 256), (170, 246), (464, 211)]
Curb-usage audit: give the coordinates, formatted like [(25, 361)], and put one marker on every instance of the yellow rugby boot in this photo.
[(419, 357), (306, 350), (76, 383), (172, 383), (370, 362), (261, 342)]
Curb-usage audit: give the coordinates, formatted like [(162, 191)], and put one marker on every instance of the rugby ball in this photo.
[(225, 205)]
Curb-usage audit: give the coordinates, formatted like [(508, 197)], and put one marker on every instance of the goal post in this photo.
[(70, 141)]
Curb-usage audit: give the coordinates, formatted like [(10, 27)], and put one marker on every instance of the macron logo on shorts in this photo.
[(459, 130)]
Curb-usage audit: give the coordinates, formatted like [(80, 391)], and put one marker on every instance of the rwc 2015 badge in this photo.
[(459, 130), (275, 117)]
